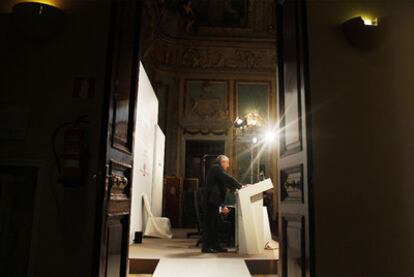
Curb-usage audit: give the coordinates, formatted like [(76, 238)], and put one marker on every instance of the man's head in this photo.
[(223, 161)]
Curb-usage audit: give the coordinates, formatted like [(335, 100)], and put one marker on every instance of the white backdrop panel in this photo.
[(158, 172), (146, 120)]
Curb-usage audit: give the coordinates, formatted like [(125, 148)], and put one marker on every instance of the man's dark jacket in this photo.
[(217, 181)]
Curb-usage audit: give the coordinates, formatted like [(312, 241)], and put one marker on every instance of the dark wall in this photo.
[(362, 133), (38, 76)]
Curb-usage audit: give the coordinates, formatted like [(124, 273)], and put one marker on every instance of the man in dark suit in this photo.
[(217, 181)]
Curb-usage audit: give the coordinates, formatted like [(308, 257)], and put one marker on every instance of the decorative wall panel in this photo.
[(292, 184), (206, 107), (293, 246)]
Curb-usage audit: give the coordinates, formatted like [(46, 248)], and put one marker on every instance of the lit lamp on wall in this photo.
[(37, 20), (362, 32)]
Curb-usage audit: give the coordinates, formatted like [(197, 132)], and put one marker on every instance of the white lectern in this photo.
[(250, 223)]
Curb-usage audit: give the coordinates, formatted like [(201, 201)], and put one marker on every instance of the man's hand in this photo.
[(225, 210)]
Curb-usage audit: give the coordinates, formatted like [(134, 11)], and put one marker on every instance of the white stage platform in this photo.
[(216, 267), (179, 256)]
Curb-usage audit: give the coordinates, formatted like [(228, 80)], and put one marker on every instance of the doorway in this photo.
[(194, 153), (202, 84)]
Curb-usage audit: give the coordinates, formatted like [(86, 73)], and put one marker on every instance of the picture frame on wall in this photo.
[(259, 91), (206, 107), (206, 97), (251, 97)]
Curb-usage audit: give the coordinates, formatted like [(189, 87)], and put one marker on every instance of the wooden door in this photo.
[(116, 160), (295, 212)]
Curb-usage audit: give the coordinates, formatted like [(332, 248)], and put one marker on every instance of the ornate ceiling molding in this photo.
[(246, 50), (204, 58)]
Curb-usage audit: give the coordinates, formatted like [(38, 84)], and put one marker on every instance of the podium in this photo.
[(250, 221)]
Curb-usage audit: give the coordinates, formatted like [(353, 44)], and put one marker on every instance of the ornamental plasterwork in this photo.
[(213, 58)]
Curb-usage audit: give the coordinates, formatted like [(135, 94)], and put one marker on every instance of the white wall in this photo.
[(146, 120)]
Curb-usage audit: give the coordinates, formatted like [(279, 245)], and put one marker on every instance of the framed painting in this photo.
[(253, 97), (206, 98)]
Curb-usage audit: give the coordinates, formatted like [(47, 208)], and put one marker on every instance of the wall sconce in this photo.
[(37, 21), (362, 33)]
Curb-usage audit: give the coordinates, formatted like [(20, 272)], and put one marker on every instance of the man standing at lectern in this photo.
[(217, 180)]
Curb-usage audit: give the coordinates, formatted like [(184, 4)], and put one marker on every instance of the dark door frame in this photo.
[(115, 154), (101, 175), (301, 21)]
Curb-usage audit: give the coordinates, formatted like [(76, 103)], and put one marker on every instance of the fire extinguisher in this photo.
[(72, 161)]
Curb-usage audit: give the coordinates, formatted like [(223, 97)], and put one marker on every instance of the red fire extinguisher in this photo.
[(72, 161)]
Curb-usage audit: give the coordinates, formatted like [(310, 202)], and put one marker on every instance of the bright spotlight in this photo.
[(254, 140), (270, 136)]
